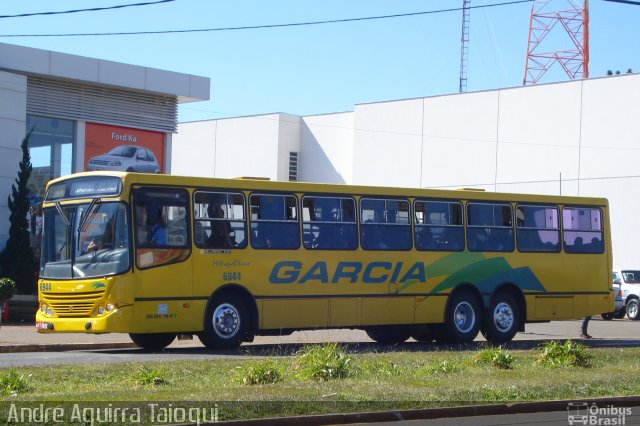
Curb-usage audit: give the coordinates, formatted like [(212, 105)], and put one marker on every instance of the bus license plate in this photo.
[(44, 326)]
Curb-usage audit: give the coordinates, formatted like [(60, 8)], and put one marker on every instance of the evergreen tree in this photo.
[(17, 258)]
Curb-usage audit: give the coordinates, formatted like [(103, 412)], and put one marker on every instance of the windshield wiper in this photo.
[(61, 212), (84, 220)]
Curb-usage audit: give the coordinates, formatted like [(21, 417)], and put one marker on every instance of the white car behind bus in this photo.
[(629, 281)]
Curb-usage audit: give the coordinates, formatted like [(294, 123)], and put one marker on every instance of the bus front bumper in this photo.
[(118, 321)]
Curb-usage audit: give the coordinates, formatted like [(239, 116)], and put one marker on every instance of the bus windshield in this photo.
[(85, 240)]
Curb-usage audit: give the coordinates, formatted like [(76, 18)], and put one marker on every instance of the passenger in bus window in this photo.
[(220, 233)]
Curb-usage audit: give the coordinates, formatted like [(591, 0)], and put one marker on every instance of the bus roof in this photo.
[(331, 188)]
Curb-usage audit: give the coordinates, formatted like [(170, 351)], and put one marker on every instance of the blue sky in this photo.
[(319, 69)]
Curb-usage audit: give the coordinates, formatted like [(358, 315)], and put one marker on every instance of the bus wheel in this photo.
[(226, 322), (633, 309), (389, 334), (502, 319), (423, 333), (462, 321), (152, 341)]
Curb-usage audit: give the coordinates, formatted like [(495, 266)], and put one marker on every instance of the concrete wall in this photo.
[(288, 142), (610, 157), (193, 149), (388, 143), (459, 141), (231, 147), (13, 115), (326, 148)]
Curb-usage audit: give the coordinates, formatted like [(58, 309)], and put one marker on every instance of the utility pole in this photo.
[(464, 48)]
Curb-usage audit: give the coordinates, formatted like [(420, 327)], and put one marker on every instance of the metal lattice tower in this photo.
[(574, 23), (464, 49)]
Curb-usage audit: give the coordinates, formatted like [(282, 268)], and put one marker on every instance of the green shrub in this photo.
[(7, 288), (498, 357), (322, 362), (444, 367), (260, 373), (150, 376), (12, 383), (567, 354)]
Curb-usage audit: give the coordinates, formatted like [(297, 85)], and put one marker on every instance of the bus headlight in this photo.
[(101, 310), (43, 308), (110, 307), (49, 311)]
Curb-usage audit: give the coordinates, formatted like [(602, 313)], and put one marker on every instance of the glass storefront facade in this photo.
[(51, 147)]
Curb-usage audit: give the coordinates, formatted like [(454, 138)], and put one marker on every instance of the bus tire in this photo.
[(227, 322), (152, 341), (633, 309), (462, 318), (608, 316), (389, 334), (423, 333), (502, 319)]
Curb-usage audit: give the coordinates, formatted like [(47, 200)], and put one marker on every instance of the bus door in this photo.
[(162, 249)]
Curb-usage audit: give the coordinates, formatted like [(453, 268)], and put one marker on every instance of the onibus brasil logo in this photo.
[(581, 413)]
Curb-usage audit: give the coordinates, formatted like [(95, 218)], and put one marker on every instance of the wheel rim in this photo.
[(226, 321), (503, 317), (464, 317), (633, 309)]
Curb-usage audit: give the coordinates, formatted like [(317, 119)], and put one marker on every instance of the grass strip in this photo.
[(343, 382)]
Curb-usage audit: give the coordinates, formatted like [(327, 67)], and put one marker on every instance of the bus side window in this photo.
[(537, 229), (489, 227), (438, 225), (328, 223), (384, 224), (582, 230), (219, 220), (274, 222)]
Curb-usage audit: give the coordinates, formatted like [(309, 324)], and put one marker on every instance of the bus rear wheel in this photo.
[(502, 319), (152, 341), (462, 320), (389, 334), (227, 322)]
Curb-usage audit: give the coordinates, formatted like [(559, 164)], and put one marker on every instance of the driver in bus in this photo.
[(158, 233)]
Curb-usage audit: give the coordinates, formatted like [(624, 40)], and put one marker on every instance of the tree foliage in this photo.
[(17, 258)]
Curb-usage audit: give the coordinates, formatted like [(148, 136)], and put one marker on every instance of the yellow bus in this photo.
[(158, 256)]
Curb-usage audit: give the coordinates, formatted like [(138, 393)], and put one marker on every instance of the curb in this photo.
[(432, 413), (65, 347)]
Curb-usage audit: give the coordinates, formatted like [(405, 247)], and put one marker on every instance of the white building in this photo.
[(572, 138)]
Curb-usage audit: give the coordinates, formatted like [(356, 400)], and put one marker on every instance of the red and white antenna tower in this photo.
[(574, 23)]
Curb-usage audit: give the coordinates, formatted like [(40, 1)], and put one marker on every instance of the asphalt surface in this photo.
[(24, 338)]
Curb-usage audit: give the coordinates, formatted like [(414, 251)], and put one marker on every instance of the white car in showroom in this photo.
[(126, 158)]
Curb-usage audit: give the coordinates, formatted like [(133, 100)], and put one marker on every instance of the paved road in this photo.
[(616, 333), (533, 419)]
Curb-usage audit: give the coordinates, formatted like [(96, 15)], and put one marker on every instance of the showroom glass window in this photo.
[(51, 149)]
